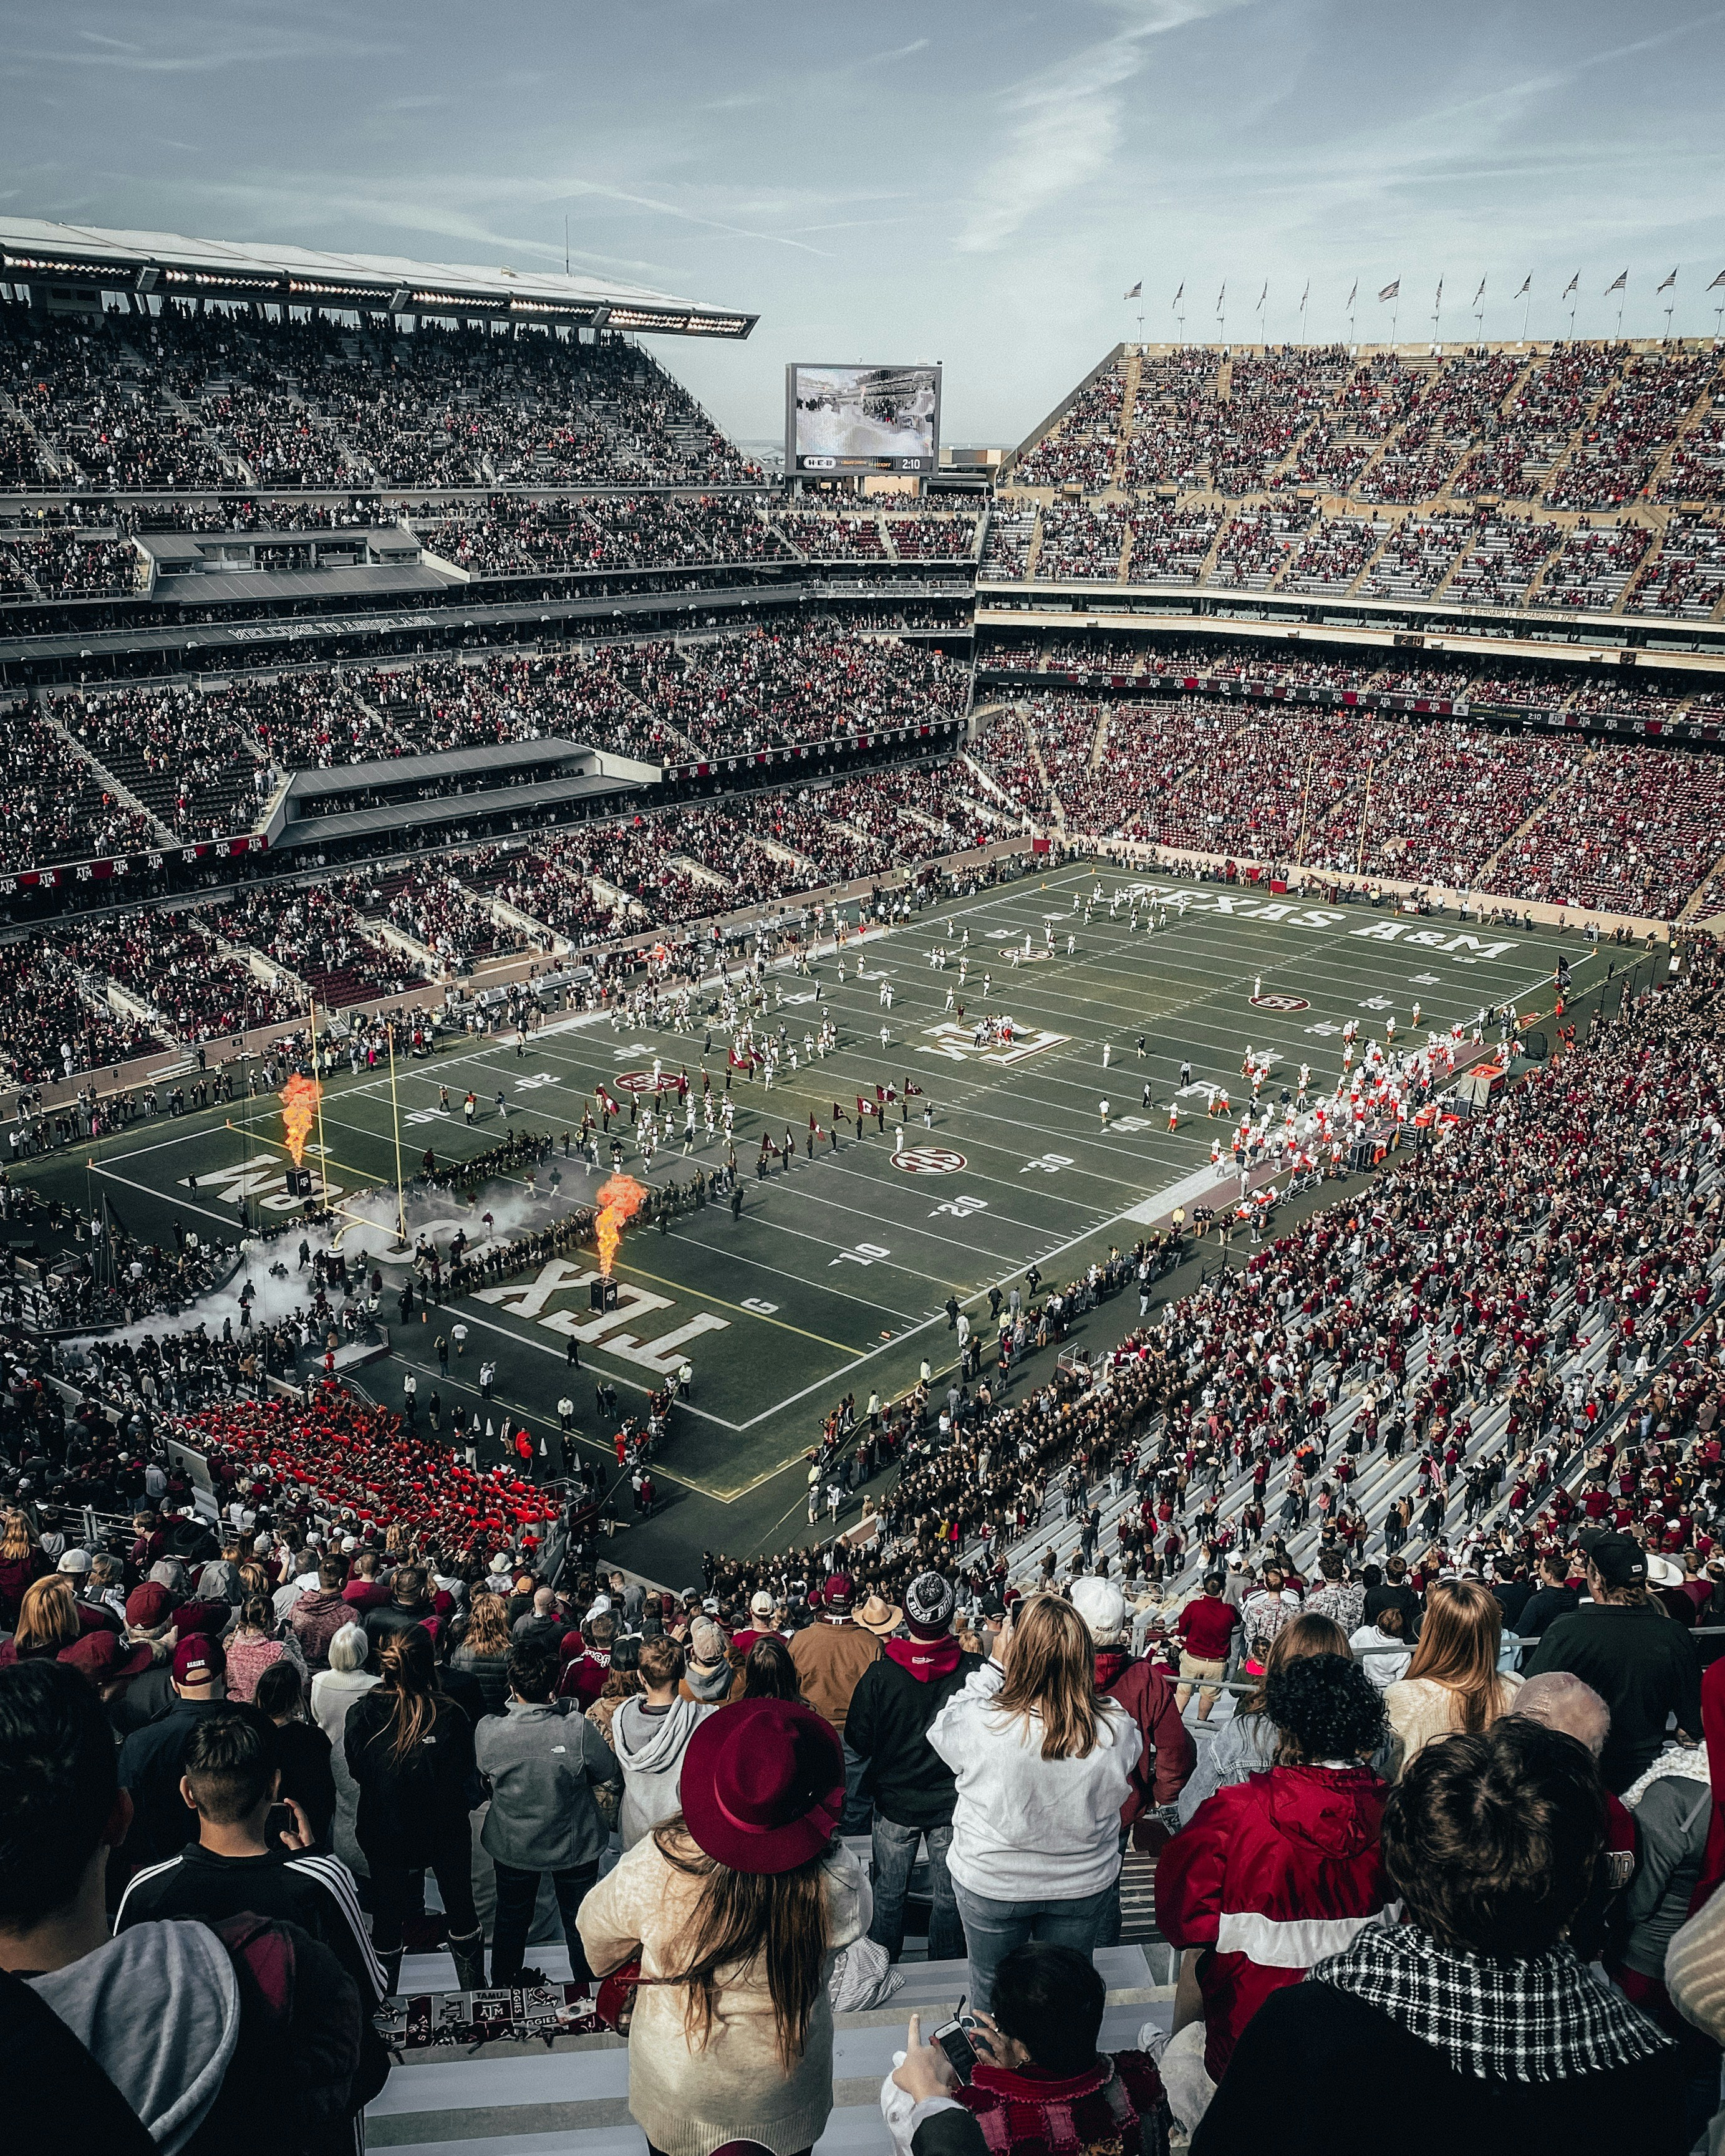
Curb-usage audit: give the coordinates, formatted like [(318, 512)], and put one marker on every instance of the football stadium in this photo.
[(669, 1114)]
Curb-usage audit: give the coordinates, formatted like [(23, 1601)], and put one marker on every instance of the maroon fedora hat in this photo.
[(763, 1785)]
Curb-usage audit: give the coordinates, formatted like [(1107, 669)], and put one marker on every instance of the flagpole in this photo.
[(401, 1195), (1528, 310)]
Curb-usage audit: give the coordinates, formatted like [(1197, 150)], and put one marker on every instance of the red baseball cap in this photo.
[(199, 1660), (148, 1605), (202, 1616), (100, 1657)]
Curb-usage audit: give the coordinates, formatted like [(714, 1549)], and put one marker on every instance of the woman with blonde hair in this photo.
[(1453, 1683), (46, 1620), (483, 1651), (21, 1561), (736, 1910), (1042, 1762)]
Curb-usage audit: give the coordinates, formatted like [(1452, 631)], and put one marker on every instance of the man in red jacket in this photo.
[(1169, 1755)]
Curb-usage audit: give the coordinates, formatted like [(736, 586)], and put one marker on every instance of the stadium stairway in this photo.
[(571, 2098)]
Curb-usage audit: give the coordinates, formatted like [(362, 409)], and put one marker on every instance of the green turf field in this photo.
[(835, 1278)]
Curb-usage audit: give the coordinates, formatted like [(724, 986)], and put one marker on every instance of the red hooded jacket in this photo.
[(1271, 1874), (1169, 1755)]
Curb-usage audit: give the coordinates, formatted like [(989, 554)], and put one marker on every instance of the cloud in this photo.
[(1063, 125), (898, 53)]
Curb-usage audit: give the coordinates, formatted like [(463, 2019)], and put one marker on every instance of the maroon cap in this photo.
[(100, 1657), (763, 1785), (838, 1589), (148, 1605), (202, 1616), (198, 1659)]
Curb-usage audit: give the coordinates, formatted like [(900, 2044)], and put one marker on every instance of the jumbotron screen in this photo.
[(861, 420)]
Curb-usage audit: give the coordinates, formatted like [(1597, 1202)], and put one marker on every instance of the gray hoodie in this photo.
[(649, 1750), (168, 2063)]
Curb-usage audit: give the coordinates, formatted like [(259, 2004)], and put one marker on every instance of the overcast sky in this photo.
[(972, 181)]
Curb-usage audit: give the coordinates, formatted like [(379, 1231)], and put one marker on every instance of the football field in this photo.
[(835, 1277)]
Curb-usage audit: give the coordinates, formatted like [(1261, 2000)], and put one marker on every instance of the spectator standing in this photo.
[(1380, 1650), (831, 1654), (1552, 1598), (896, 1698), (1168, 1756), (408, 1604), (1043, 1765), (409, 1748), (709, 1676), (736, 1910), (1471, 2023), (153, 2012), (151, 1757), (316, 1617), (543, 1763), (1278, 1871), (1246, 1742), (231, 1781), (1453, 1682), (346, 1679), (1207, 1626), (650, 1733), (768, 1671), (1640, 1662), (303, 1753), (255, 1647)]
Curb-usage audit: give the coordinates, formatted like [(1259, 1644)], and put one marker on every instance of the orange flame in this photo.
[(619, 1198), (300, 1097)]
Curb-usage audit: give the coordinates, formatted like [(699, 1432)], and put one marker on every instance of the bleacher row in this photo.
[(1476, 555), (81, 994), (1508, 687), (181, 402), (115, 771), (50, 555), (1528, 817), (1571, 426)]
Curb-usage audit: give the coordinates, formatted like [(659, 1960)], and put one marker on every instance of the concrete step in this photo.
[(527, 2100)]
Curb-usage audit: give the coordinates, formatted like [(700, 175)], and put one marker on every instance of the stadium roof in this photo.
[(175, 267)]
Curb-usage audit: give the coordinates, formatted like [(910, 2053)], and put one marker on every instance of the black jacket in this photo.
[(392, 1617), (409, 1810), (887, 1722), (1318, 2072), (1642, 1663), (150, 1762), (315, 1892), (1542, 1609)]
